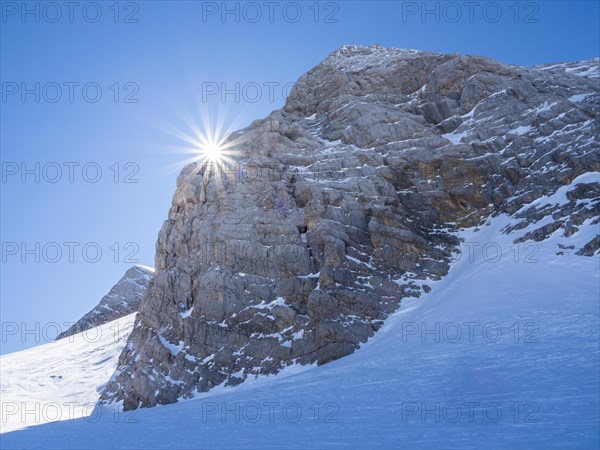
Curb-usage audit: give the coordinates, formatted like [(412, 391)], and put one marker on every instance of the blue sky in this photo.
[(166, 55)]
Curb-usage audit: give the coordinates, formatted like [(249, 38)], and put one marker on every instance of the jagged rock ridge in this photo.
[(356, 187), (124, 298)]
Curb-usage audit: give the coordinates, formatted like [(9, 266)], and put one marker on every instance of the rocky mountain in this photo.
[(345, 202), (123, 299)]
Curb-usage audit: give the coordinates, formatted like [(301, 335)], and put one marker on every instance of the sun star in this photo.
[(211, 152)]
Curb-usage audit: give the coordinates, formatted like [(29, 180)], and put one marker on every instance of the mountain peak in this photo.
[(123, 299), (359, 189)]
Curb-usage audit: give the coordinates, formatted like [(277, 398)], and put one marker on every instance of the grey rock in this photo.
[(349, 195), (123, 299)]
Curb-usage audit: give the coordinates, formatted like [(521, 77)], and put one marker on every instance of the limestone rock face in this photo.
[(343, 203), (123, 299)]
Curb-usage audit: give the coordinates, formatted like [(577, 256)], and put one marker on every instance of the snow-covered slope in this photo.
[(60, 380), (502, 353)]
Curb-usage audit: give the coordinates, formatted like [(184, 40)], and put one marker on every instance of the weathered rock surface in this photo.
[(124, 298), (341, 204)]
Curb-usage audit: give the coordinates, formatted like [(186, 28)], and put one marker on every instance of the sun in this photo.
[(211, 151), (208, 142), (212, 145)]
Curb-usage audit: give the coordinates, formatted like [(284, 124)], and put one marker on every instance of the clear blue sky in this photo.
[(171, 54)]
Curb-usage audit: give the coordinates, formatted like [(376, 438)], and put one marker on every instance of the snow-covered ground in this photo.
[(502, 353), (59, 380)]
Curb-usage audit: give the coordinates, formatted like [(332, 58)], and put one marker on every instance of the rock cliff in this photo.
[(344, 202)]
